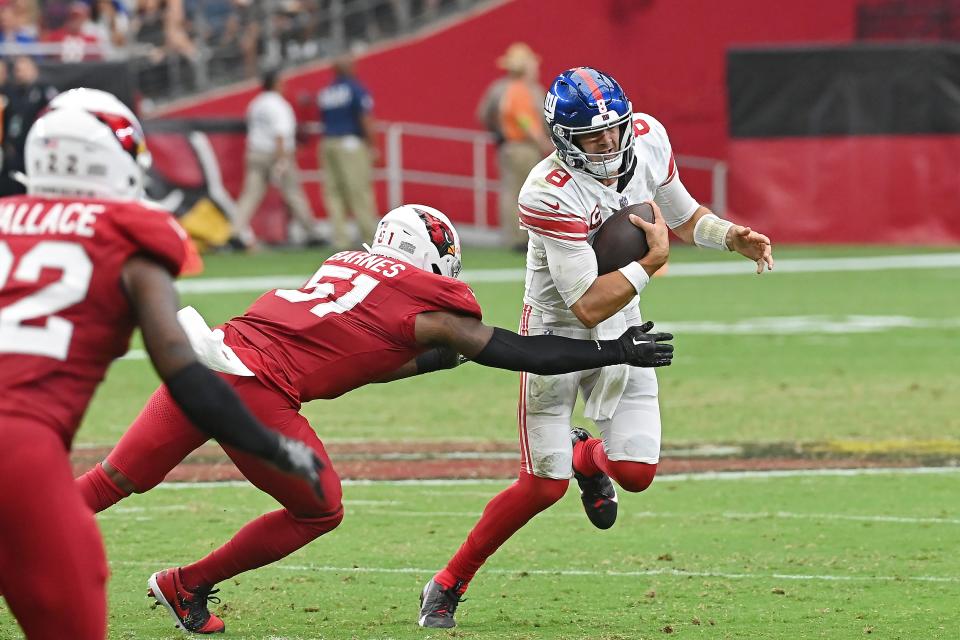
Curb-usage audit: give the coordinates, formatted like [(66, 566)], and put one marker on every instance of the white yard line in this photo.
[(591, 573), (683, 269), (679, 477), (774, 325), (378, 510), (837, 516)]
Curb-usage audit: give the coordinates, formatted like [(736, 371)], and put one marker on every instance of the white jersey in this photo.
[(269, 117), (562, 209)]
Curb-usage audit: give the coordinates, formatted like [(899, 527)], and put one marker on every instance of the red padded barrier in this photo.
[(668, 54), (864, 189)]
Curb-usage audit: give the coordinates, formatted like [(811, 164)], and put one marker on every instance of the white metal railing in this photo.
[(396, 175)]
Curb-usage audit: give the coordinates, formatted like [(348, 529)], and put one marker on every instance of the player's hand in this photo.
[(751, 244), (645, 349), (296, 458), (658, 240)]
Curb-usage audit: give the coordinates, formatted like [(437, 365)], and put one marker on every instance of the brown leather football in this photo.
[(618, 242)]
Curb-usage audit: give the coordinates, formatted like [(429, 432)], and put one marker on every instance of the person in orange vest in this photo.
[(512, 109)]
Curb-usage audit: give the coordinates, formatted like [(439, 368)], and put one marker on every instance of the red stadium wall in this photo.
[(889, 189), (670, 56)]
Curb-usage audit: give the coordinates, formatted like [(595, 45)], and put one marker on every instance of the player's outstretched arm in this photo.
[(432, 360), (706, 230), (544, 355), (205, 398)]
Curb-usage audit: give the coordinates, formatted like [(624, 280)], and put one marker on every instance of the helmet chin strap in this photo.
[(606, 166)]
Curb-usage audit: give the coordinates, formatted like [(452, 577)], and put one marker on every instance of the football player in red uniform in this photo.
[(365, 316), (81, 264)]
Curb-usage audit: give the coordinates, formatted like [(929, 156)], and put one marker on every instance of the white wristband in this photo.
[(636, 274), (711, 232)]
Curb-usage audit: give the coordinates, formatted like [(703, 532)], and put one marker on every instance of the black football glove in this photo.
[(644, 349), (296, 458)]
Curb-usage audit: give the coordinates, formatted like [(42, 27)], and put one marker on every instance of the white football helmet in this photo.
[(102, 155), (421, 236)]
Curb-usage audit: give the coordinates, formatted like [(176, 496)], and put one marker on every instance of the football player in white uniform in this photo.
[(607, 158)]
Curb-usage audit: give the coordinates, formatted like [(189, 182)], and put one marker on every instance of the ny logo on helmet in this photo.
[(550, 106)]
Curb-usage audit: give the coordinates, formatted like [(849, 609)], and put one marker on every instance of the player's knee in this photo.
[(632, 476), (314, 527), (543, 491)]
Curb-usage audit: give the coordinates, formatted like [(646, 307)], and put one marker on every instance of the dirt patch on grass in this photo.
[(457, 459)]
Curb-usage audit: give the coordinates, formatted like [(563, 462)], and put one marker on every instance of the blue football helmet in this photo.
[(584, 100)]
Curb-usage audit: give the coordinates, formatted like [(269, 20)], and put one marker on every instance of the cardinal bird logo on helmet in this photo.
[(440, 234)]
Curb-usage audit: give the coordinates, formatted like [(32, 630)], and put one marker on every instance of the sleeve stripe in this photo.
[(569, 227), (671, 171), (582, 237), (551, 214)]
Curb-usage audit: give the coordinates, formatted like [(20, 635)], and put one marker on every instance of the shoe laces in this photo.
[(204, 594), (451, 598), (196, 605)]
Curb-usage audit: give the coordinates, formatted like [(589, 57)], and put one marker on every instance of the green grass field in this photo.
[(869, 357)]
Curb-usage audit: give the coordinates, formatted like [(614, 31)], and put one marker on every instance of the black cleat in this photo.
[(437, 606), (597, 493)]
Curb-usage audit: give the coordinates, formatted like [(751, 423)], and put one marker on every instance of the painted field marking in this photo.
[(836, 516), (684, 269), (678, 477), (591, 573), (669, 515), (760, 515), (770, 325)]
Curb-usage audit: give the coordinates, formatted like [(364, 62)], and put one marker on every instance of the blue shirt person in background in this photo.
[(347, 154)]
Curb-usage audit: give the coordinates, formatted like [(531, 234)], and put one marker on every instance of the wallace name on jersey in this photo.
[(49, 218)]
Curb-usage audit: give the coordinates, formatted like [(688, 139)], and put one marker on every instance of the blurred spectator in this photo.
[(161, 23), (520, 125), (348, 151), (271, 125), (110, 24), (14, 28), (27, 15), (3, 105), (26, 97), (241, 31), (76, 38), (54, 15)]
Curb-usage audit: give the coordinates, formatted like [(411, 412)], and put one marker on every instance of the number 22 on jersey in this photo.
[(52, 338), (328, 284)]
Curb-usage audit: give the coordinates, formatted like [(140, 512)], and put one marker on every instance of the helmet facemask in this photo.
[(598, 165)]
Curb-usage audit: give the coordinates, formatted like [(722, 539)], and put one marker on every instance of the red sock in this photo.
[(503, 516), (98, 490), (267, 539), (589, 458)]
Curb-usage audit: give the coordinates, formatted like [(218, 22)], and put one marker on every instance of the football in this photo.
[(618, 242)]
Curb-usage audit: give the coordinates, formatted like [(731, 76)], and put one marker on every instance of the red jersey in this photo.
[(350, 324), (63, 312)]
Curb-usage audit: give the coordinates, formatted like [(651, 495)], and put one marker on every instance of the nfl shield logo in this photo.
[(623, 201)]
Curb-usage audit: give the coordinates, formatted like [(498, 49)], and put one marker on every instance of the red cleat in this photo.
[(188, 609)]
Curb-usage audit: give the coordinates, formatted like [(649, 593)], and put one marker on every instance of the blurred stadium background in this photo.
[(831, 125), (821, 122)]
